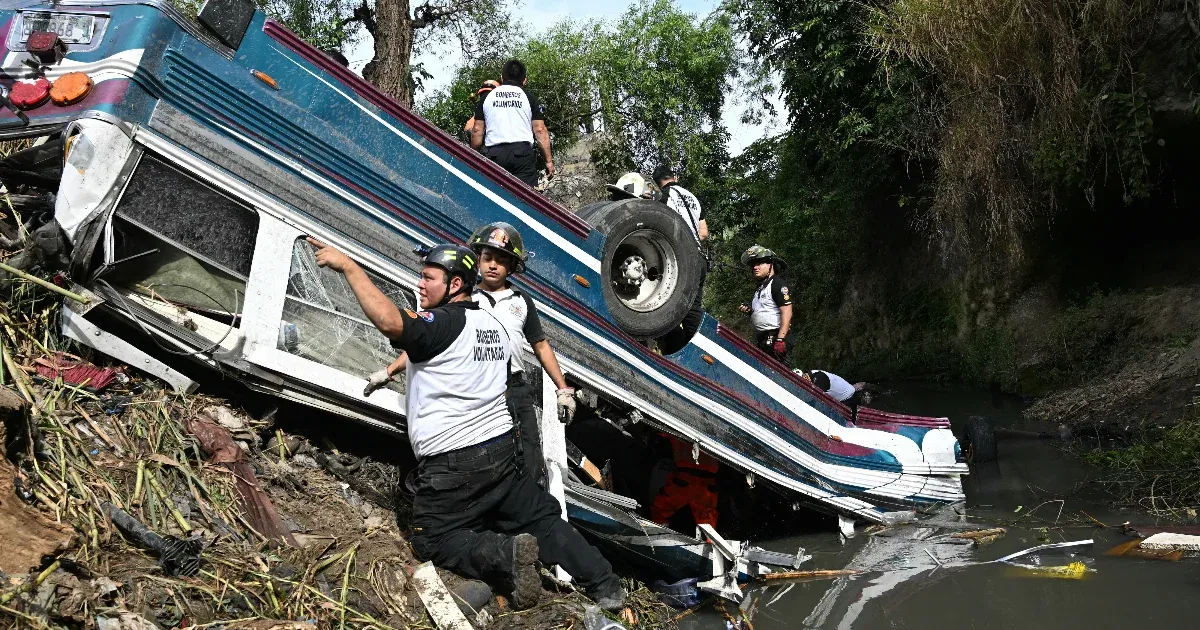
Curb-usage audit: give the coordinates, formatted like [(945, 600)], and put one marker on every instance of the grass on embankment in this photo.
[(1159, 471)]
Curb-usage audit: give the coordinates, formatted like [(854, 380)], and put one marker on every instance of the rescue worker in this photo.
[(474, 513), (501, 252), (507, 120), (771, 308), (853, 394), (692, 484), (629, 186), (683, 202), (480, 94)]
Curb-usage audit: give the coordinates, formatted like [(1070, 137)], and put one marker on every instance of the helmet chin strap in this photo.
[(450, 296)]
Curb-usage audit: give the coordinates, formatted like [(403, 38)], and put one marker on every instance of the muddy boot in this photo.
[(526, 582), (609, 595)]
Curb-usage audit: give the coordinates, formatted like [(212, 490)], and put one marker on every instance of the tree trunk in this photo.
[(389, 68)]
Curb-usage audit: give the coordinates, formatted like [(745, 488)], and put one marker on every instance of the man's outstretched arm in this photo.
[(377, 307)]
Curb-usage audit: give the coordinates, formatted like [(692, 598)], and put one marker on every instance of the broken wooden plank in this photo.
[(810, 575), (437, 599), (1133, 549), (981, 533)]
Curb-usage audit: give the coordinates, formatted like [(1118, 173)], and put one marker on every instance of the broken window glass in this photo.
[(323, 322)]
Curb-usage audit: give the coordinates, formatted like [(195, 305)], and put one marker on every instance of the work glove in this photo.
[(779, 348), (376, 380), (566, 404)]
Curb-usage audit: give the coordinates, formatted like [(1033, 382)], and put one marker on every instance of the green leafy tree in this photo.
[(653, 85)]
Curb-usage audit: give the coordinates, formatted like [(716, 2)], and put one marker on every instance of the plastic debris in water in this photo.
[(1075, 571)]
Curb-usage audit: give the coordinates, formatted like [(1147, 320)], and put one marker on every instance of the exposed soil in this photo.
[(1150, 375)]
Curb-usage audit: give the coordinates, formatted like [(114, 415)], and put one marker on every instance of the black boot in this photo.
[(526, 582)]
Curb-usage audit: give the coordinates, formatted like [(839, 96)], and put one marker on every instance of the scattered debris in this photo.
[(437, 599), (28, 534), (594, 619), (1073, 571), (177, 557), (815, 574), (981, 538), (99, 485), (221, 449), (124, 620), (1133, 549), (76, 372), (1172, 541)]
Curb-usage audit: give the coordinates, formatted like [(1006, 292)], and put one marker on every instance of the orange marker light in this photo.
[(265, 78), (707, 359), (583, 282), (70, 88)]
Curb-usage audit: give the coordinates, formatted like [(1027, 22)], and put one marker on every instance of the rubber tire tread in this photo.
[(618, 219), (981, 439)]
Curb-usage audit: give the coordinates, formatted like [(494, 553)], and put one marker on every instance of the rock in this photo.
[(305, 461)]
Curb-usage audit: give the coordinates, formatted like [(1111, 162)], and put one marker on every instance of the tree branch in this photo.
[(427, 14), (364, 15)]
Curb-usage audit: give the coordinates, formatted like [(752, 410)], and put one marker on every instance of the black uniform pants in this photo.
[(520, 407), (765, 340), (517, 158), (679, 336), (469, 505)]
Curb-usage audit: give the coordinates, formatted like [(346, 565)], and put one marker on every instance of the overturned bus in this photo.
[(182, 162)]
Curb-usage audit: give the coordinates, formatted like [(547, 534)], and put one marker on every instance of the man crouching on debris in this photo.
[(473, 513)]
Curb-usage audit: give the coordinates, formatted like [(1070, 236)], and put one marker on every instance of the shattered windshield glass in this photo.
[(323, 322)]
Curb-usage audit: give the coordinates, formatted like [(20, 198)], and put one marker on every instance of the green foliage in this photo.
[(1036, 101), (1159, 471), (318, 22), (653, 84)]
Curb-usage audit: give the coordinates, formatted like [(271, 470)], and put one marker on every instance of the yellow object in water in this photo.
[(1074, 571)]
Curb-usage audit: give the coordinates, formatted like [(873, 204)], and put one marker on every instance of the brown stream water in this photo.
[(905, 588)]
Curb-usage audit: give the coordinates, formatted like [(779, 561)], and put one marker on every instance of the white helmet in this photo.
[(630, 185)]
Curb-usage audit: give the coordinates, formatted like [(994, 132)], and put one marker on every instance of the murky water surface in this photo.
[(905, 588)]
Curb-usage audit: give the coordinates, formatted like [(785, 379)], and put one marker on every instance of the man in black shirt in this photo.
[(474, 512), (506, 122)]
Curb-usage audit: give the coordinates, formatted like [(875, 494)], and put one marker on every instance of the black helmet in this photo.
[(457, 261), (501, 236), (758, 252)]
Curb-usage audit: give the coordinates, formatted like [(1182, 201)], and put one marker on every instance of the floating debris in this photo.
[(1172, 541), (1074, 571), (1133, 549)]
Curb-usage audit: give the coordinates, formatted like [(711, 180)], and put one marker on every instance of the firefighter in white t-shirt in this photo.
[(501, 252), (474, 511), (508, 121), (771, 308)]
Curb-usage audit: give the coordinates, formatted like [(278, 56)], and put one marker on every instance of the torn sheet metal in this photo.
[(89, 334)]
